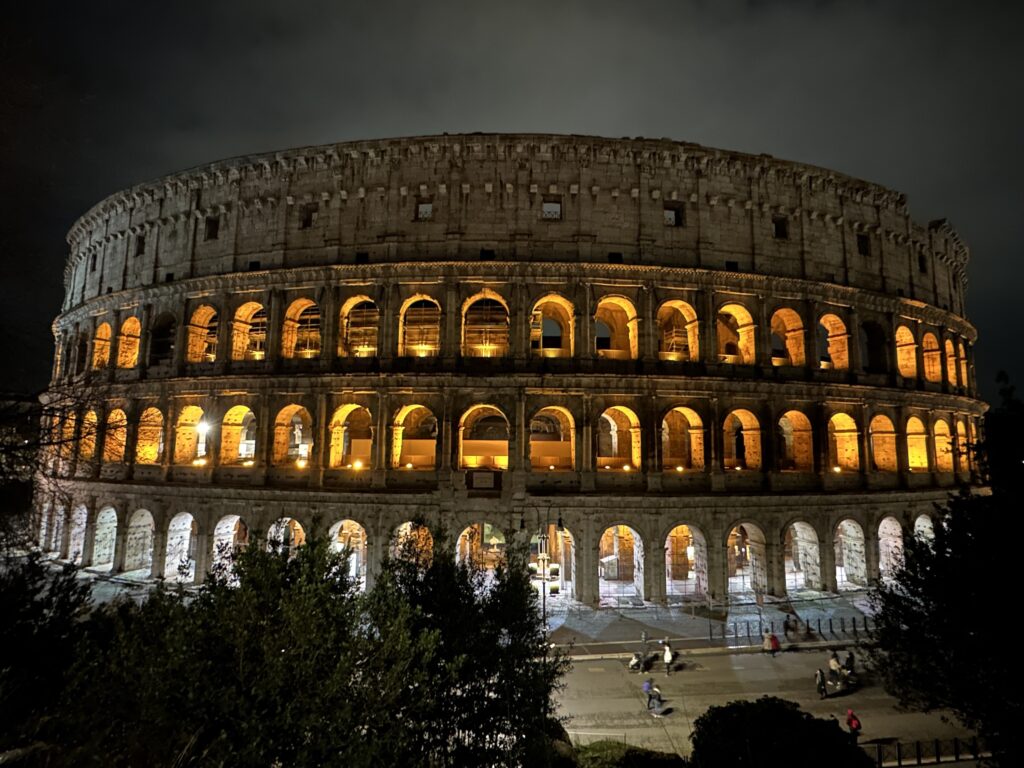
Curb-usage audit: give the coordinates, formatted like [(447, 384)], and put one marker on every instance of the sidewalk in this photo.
[(595, 633)]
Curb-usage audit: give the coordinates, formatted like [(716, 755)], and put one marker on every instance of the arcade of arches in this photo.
[(617, 564)]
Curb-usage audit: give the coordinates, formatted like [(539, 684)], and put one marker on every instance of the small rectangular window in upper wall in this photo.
[(614, 257), (308, 215), (863, 245), (424, 210), (673, 216), (212, 227), (732, 266), (92, 263), (780, 227), (551, 209), (140, 245), (922, 263)]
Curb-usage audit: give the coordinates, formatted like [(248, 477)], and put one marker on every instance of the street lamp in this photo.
[(543, 557)]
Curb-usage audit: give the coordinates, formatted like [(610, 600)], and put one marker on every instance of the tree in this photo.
[(936, 644), (281, 661), (771, 731)]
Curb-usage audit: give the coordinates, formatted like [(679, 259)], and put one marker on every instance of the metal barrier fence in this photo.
[(753, 631), (926, 752)]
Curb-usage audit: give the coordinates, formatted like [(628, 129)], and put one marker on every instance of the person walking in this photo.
[(648, 689), (668, 657), (853, 723), (766, 642), (819, 684), (773, 642)]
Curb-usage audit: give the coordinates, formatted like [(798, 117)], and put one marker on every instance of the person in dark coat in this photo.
[(853, 723), (819, 684)]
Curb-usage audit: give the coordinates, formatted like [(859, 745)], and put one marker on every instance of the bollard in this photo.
[(842, 625), (819, 625), (899, 754), (917, 751), (830, 630), (938, 751), (748, 630), (772, 625), (956, 749), (878, 755)]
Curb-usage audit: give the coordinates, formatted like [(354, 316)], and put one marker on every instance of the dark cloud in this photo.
[(925, 97)]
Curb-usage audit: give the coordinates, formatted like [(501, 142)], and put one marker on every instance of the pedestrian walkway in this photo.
[(612, 632)]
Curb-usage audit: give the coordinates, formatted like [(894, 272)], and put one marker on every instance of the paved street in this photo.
[(603, 699)]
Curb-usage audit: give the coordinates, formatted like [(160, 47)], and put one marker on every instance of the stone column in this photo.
[(156, 570), (718, 563), (328, 329), (204, 554), (763, 334), (67, 517), (585, 451), (853, 326), (648, 349), (827, 561), (812, 353), (451, 320), (775, 565), (587, 591), (872, 554), (708, 320), (654, 573), (120, 545), (90, 532), (275, 328)]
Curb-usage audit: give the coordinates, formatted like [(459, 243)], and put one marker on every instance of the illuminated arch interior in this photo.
[(293, 436), (552, 327), (843, 443), (483, 438), (419, 327), (552, 440), (101, 346), (189, 436), (249, 332), (835, 351), (618, 440), (238, 436), (300, 334), (678, 332), (787, 333), (360, 321), (883, 444), (917, 444), (796, 447), (115, 436), (735, 331), (128, 343), (615, 325), (201, 342), (682, 440), (485, 326), (906, 352), (414, 438), (351, 438), (742, 440)]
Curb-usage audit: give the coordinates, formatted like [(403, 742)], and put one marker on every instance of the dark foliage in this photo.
[(42, 610), (771, 731), (609, 754), (281, 661)]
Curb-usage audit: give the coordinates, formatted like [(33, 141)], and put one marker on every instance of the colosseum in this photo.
[(681, 372)]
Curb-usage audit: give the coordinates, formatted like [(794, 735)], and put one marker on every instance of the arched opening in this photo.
[(787, 331), (964, 382), (951, 374), (128, 343), (890, 547), (686, 564), (412, 541), (678, 332), (932, 358), (138, 545), (482, 544), (81, 353), (682, 440), (485, 326), (943, 446), (483, 438), (551, 327), (917, 445), (286, 535), (874, 347), (414, 438), (115, 436), (924, 528), (66, 446), (802, 558), (293, 437), (883, 444), (618, 440), (249, 332), (101, 346), (795, 450), (351, 438), (201, 344), (180, 562), (621, 567), (87, 436), (161, 341), (615, 324), (746, 561), (742, 449), (230, 535), (735, 328), (190, 435), (103, 539), (851, 566), (419, 328), (552, 440), (350, 537), (238, 436), (552, 561), (843, 443), (906, 353), (300, 334), (360, 321), (834, 348), (149, 440), (76, 536)]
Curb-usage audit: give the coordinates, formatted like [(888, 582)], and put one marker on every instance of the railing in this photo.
[(931, 752), (753, 631)]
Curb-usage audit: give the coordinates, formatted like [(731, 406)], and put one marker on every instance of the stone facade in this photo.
[(507, 333)]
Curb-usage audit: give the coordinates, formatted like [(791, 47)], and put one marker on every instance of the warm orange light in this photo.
[(199, 463), (626, 468), (551, 466), (409, 465), (357, 464), (679, 469), (248, 463), (301, 463), (837, 469)]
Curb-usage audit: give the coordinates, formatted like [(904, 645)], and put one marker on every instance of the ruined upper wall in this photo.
[(358, 203)]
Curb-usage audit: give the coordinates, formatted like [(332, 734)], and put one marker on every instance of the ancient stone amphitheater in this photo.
[(682, 372)]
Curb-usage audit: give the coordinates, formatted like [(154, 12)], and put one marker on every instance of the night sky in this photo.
[(923, 97)]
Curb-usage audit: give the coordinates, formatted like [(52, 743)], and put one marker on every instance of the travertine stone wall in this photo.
[(164, 279)]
